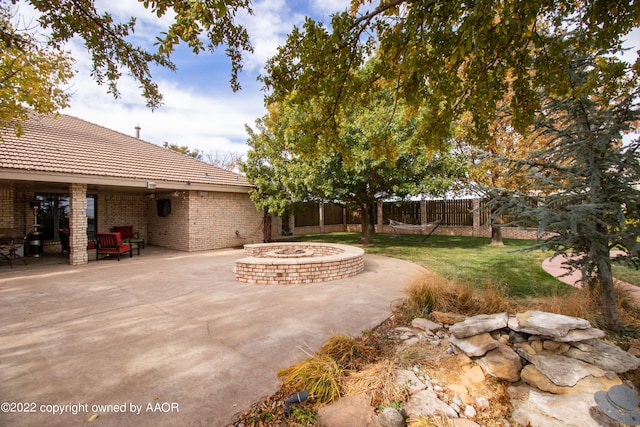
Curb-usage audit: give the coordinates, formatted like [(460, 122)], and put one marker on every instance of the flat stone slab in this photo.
[(477, 345), (426, 403), (546, 324), (479, 324), (607, 357), (563, 371)]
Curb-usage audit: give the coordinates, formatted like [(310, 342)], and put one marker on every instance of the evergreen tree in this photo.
[(588, 200)]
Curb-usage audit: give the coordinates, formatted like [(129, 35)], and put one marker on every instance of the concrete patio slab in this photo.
[(168, 338)]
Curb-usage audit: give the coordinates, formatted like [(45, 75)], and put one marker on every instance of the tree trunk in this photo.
[(365, 221), (607, 292), (496, 231)]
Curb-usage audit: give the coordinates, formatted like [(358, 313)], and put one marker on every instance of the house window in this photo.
[(54, 211)]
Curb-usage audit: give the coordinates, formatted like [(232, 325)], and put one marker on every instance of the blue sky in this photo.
[(200, 110)]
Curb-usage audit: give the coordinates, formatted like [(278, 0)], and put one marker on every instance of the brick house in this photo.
[(67, 173)]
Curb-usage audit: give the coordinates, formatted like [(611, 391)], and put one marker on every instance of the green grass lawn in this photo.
[(628, 274), (469, 260)]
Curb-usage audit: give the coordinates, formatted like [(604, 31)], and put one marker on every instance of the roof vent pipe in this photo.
[(138, 131), (165, 144)]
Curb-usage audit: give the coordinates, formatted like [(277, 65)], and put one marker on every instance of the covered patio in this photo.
[(64, 174)]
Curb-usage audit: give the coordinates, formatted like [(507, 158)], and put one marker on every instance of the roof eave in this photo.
[(67, 178)]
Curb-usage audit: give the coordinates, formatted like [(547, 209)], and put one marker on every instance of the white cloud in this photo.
[(268, 27)]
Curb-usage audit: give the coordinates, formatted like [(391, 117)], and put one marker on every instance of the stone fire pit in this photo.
[(296, 263)]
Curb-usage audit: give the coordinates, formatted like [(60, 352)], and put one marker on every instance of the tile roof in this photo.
[(67, 144)]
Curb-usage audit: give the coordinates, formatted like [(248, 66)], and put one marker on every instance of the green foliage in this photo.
[(303, 416), (586, 177), (443, 57), (372, 155), (205, 24), (183, 149), (31, 75)]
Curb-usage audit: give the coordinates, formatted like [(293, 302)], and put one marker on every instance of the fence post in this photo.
[(476, 217), (380, 222), (344, 218), (423, 212), (321, 210)]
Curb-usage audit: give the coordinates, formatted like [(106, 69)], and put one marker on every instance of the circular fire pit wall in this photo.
[(295, 263)]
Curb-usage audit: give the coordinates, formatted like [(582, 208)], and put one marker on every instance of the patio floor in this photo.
[(167, 338)]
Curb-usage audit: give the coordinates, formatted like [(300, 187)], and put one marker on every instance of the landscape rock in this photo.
[(582, 335), (427, 404), (390, 417), (479, 324), (561, 370), (470, 411), (587, 385), (477, 345), (556, 347), (502, 363), (409, 380), (447, 318), (461, 392), (540, 409), (425, 324), (344, 411), (546, 324), (606, 356), (482, 402), (473, 374)]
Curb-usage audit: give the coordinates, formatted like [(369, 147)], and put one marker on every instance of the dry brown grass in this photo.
[(378, 381), (320, 375), (430, 292), (349, 353), (576, 302)]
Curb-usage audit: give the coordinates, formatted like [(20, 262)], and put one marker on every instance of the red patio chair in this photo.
[(112, 244), (128, 235)]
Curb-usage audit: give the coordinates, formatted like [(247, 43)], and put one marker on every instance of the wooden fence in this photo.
[(458, 217)]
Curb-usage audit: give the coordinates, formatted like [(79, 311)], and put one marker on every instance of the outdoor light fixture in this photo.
[(151, 185)]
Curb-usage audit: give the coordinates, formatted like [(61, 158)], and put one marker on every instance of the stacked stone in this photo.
[(555, 365), (560, 361)]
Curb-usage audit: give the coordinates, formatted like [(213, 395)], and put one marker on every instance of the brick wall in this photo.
[(223, 220), (7, 210), (121, 209), (171, 231), (202, 220)]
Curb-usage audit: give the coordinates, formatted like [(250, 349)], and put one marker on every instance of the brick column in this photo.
[(78, 224)]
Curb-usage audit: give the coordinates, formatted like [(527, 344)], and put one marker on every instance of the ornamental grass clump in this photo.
[(378, 381), (320, 375), (348, 352)]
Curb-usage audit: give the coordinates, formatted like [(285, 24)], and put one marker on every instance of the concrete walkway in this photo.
[(168, 338), (555, 267)]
